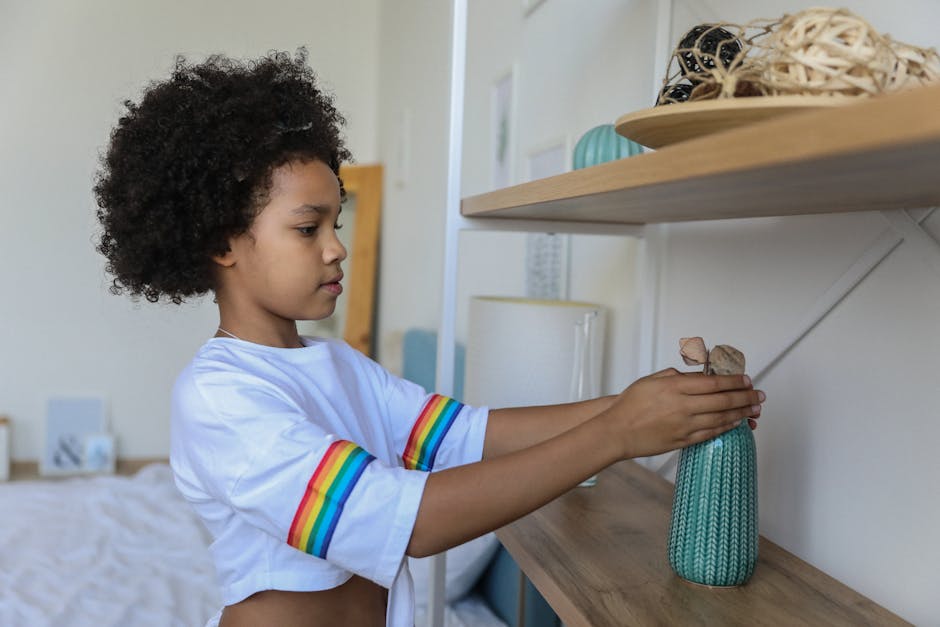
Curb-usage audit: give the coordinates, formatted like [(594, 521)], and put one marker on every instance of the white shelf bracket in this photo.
[(904, 228), (913, 233), (886, 243)]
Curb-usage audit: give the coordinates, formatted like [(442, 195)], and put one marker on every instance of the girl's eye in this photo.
[(310, 230)]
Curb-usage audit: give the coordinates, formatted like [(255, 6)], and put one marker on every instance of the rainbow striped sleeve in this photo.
[(326, 494), (426, 436)]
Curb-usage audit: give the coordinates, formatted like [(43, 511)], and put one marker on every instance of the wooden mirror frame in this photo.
[(365, 183)]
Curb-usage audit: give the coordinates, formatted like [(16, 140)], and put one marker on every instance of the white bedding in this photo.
[(470, 611), (103, 551), (118, 552)]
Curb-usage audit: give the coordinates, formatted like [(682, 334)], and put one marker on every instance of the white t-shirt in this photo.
[(307, 465)]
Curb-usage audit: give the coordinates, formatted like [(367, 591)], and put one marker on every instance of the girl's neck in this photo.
[(286, 337), (245, 320)]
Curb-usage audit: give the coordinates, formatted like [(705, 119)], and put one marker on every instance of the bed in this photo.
[(115, 551)]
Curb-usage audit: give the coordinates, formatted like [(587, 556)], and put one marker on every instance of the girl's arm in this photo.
[(515, 428), (656, 414)]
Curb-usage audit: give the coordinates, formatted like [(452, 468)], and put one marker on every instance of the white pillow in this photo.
[(465, 564)]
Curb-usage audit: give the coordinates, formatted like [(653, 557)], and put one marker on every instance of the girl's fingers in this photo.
[(706, 403), (706, 434), (722, 421), (695, 383), (668, 372)]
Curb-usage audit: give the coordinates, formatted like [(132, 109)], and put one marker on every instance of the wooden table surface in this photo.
[(598, 556)]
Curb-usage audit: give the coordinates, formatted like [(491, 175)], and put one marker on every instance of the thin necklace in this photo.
[(230, 334)]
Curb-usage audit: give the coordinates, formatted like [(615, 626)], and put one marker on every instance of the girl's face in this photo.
[(287, 266)]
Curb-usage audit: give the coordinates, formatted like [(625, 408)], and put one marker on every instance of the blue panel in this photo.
[(500, 587), (499, 584), (420, 361)]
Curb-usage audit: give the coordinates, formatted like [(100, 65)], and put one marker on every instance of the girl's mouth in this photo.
[(334, 288)]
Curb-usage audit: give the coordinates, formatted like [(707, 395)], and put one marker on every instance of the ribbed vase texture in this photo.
[(713, 531), (602, 144)]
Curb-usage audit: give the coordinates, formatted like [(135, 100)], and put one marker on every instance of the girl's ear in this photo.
[(226, 259)]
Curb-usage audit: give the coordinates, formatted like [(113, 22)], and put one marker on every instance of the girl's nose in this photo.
[(334, 250)]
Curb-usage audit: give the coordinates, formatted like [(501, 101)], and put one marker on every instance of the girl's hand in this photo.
[(669, 410)]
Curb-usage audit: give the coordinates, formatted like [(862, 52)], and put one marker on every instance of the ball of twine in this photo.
[(827, 51), (913, 66)]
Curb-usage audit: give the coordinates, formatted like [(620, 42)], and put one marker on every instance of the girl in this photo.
[(315, 470)]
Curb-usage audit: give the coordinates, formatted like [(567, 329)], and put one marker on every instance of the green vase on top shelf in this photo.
[(602, 144), (713, 530)]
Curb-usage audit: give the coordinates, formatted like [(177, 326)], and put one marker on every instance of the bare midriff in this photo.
[(356, 603)]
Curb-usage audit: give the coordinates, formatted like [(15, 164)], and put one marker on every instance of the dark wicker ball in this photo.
[(680, 92), (715, 42)]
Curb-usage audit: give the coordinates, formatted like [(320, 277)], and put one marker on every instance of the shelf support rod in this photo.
[(903, 228), (913, 232), (444, 382), (663, 45), (649, 268), (870, 259), (886, 243)]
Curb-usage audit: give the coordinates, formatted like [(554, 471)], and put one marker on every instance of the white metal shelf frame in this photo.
[(455, 223)]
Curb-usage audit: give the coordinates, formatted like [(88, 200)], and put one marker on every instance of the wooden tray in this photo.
[(673, 123)]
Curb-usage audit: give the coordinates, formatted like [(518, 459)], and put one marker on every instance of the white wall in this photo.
[(574, 69), (846, 440), (414, 74), (563, 88), (66, 68), (846, 444)]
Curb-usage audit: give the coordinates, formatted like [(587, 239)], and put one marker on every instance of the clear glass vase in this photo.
[(585, 380), (713, 535)]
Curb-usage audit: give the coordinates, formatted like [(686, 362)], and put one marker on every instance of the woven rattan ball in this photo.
[(913, 66), (828, 51)]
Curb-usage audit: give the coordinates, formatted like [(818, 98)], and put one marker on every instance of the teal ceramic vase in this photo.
[(713, 531), (602, 144)]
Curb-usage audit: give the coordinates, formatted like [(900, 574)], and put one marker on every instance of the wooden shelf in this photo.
[(880, 153), (29, 471), (598, 556)]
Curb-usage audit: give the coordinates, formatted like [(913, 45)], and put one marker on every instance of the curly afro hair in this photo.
[(190, 166)]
